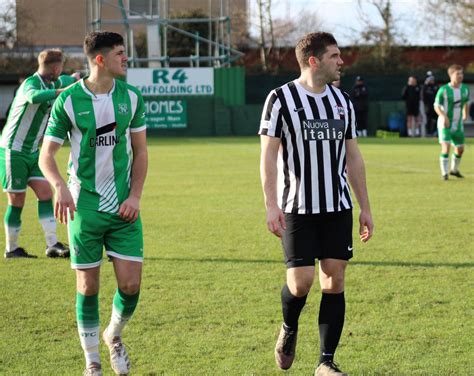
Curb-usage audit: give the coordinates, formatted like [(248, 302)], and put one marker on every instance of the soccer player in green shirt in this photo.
[(105, 120), (21, 136), (451, 105)]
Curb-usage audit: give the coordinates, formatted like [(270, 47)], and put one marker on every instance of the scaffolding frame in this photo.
[(219, 51)]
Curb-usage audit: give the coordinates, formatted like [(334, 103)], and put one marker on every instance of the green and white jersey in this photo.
[(29, 113), (452, 101), (99, 128)]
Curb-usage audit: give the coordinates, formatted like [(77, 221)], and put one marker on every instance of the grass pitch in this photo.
[(210, 302)]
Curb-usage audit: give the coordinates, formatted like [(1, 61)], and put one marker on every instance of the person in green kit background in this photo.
[(105, 120), (19, 153), (451, 105)]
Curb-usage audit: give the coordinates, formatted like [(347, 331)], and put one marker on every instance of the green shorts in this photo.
[(91, 231), (17, 169), (456, 138)]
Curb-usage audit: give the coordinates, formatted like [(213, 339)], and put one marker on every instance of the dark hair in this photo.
[(313, 44), (101, 42)]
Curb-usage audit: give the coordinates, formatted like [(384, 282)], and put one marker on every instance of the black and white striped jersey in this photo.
[(313, 127)]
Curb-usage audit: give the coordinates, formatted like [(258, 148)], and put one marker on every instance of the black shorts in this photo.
[(413, 109), (317, 236)]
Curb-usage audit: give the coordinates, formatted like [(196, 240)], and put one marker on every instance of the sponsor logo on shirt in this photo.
[(102, 139), (320, 130)]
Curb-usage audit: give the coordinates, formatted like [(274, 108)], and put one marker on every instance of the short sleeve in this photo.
[(138, 121), (59, 123), (351, 131), (271, 122), (439, 99)]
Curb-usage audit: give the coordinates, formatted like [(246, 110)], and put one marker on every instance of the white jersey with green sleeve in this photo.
[(452, 101), (29, 114), (99, 128)]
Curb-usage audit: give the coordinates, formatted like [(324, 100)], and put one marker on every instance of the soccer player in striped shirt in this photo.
[(105, 120), (309, 154), (451, 105), (19, 153)]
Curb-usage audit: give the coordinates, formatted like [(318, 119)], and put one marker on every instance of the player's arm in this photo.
[(35, 94), (268, 174), (465, 110), (439, 109), (49, 167), (356, 175), (130, 208)]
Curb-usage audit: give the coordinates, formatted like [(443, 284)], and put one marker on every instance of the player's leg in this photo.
[(298, 246), (332, 307), (87, 314), (444, 138), (86, 234), (338, 250), (124, 243), (13, 174), (43, 192), (458, 143)]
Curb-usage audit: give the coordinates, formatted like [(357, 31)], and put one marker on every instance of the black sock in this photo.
[(331, 321), (291, 307)]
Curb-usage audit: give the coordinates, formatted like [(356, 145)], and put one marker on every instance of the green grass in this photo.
[(210, 301)]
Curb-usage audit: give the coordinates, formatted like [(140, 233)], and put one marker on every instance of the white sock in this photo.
[(443, 164), (11, 237), (49, 228), (116, 325), (455, 162), (90, 344)]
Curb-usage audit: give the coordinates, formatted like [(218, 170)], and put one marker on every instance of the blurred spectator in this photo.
[(360, 99), (411, 95), (429, 94)]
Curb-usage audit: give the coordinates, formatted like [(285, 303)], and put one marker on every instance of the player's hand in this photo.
[(64, 203), (446, 121), (366, 226), (129, 209), (276, 221)]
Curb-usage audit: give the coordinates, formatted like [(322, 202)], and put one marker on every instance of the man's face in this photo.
[(53, 71), (330, 64), (115, 61), (457, 76)]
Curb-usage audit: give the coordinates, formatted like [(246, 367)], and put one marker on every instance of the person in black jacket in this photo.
[(360, 99), (411, 95), (429, 93)]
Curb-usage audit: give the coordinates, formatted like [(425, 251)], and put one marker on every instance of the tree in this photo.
[(379, 49), (8, 24), (449, 19), (275, 33), (180, 45)]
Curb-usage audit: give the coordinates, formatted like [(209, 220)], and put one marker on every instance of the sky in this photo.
[(341, 17)]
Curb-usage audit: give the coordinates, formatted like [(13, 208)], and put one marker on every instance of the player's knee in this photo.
[(88, 288), (300, 288), (16, 199), (333, 284), (130, 287)]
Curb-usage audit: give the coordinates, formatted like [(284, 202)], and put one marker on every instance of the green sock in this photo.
[(122, 310), (48, 222), (443, 163), (12, 221), (87, 314)]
